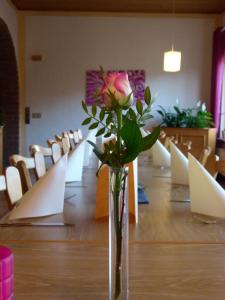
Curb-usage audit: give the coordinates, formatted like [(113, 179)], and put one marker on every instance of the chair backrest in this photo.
[(50, 142), (2, 183), (29, 161), (40, 167), (58, 137), (80, 134), (14, 186), (46, 151), (65, 145), (75, 137), (205, 155), (24, 176), (56, 152)]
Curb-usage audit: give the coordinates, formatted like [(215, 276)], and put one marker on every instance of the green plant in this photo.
[(196, 117)]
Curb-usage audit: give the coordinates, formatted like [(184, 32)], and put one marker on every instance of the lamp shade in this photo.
[(172, 61)]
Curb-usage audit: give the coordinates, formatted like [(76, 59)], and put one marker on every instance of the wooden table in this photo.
[(79, 270)]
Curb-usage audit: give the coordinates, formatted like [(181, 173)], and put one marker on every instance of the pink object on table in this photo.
[(6, 273)]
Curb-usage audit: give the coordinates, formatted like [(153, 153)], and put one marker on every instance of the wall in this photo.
[(9, 14), (71, 45)]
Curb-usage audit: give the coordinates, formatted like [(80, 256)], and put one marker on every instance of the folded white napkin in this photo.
[(46, 197), (179, 166), (160, 155), (207, 196), (75, 163), (88, 148)]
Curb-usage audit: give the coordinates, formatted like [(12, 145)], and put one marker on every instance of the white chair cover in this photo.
[(179, 166), (207, 196), (46, 197)]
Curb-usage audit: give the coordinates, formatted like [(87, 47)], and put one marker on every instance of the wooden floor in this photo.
[(172, 255)]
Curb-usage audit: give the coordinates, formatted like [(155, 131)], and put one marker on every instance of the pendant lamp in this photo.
[(172, 58)]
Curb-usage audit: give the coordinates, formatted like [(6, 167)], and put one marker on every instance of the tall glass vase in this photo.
[(118, 234)]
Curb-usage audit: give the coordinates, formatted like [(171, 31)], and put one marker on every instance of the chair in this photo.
[(36, 163), (56, 152), (46, 151), (66, 145), (11, 184)]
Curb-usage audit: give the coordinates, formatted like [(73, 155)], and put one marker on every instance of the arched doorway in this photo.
[(9, 94)]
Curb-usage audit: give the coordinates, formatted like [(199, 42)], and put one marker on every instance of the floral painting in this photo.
[(94, 82)]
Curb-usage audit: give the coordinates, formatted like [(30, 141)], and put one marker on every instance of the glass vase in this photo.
[(118, 234)]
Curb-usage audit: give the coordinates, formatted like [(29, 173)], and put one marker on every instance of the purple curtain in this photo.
[(217, 74)]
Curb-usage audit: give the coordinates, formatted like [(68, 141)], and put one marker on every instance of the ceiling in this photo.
[(133, 6)]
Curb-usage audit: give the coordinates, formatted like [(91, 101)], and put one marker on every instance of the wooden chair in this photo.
[(66, 145), (50, 142), (214, 165), (25, 176), (13, 184), (46, 151), (205, 155), (56, 152), (36, 163)]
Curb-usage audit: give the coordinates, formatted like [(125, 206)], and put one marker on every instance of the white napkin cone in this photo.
[(207, 196), (88, 148), (179, 166), (75, 163), (46, 197), (160, 155)]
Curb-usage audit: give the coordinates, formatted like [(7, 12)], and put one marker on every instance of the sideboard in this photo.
[(200, 137)]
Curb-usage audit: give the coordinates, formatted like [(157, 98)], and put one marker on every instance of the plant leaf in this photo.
[(132, 138), (93, 126), (149, 140), (84, 105), (100, 132), (101, 115), (147, 95), (94, 110), (86, 121), (139, 107)]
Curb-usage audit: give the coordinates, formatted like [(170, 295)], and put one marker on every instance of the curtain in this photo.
[(217, 75)]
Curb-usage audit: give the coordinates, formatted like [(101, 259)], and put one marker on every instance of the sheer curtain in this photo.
[(218, 64)]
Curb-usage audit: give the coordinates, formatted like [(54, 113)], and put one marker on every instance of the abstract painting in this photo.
[(95, 82)]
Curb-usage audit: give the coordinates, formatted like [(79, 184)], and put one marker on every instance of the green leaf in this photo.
[(132, 114), (94, 110), (84, 105), (132, 138), (97, 151), (93, 126), (139, 107), (102, 115), (147, 96), (108, 119), (108, 134), (160, 112), (149, 140), (100, 132), (86, 121)]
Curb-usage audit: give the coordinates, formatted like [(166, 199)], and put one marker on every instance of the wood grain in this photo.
[(67, 271)]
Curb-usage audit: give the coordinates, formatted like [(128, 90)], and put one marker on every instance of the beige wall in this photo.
[(70, 45)]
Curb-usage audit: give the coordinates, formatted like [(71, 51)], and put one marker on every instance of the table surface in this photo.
[(79, 270)]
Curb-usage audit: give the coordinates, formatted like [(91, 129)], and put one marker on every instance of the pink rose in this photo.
[(117, 84)]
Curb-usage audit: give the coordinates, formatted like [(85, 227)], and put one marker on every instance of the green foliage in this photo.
[(123, 124), (196, 117)]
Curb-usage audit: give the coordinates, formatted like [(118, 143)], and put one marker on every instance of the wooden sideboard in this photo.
[(1, 150), (200, 137)]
